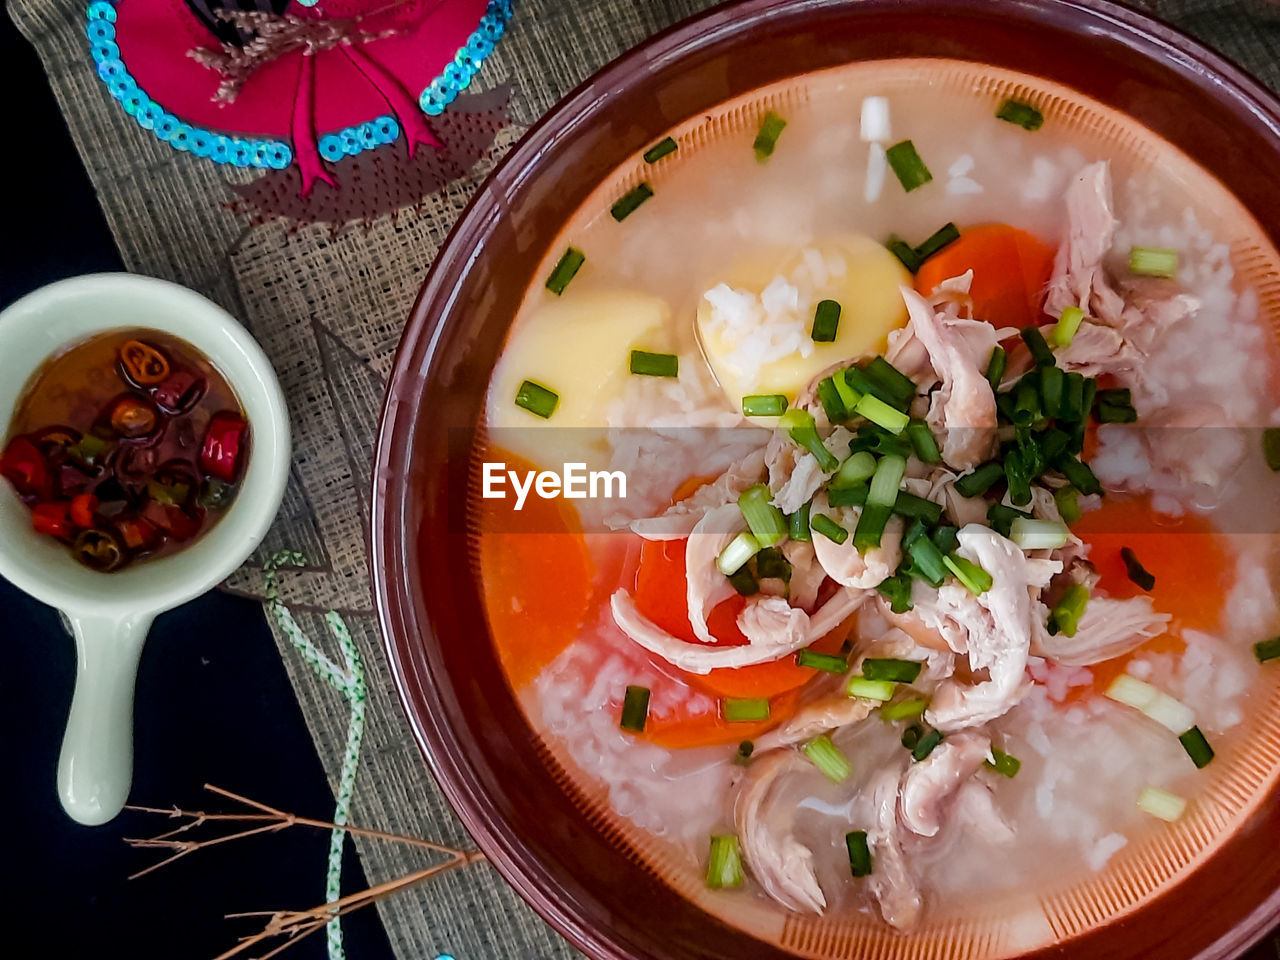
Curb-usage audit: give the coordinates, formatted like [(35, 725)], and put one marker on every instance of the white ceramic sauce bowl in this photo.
[(110, 613)]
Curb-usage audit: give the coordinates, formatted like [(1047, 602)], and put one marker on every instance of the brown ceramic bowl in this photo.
[(581, 877)]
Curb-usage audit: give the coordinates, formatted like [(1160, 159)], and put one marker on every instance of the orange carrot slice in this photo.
[(1010, 270)]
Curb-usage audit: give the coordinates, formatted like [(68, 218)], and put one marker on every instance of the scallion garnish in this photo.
[(772, 565), (742, 756), (946, 234), (1078, 474), (859, 853), (766, 521), (850, 495), (1032, 534), (1136, 571), (645, 364), (660, 150), (911, 736), (1153, 261), (1002, 763), (635, 709), (740, 549), (827, 662), (800, 426), (881, 414), (764, 405), (1026, 404), (1000, 517), (907, 165), (946, 538), (1052, 381), (724, 865), (909, 505), (888, 668), (904, 252), (1023, 114), (849, 397), (1068, 325), (1115, 406), (996, 366), (829, 397), (979, 481), (860, 686), (766, 140), (976, 580), (924, 746), (1066, 614), (826, 321), (1040, 351), (1161, 804), (870, 528), (743, 710), (1067, 500), (898, 591), (537, 399), (1271, 447), (886, 481), (858, 468), (922, 438), (565, 270), (628, 202), (904, 709), (1197, 747), (798, 524), (860, 381), (821, 523), (1266, 650), (897, 385), (1072, 407), (744, 581), (927, 561), (826, 756)]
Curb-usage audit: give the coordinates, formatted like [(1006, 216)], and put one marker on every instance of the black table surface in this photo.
[(213, 702)]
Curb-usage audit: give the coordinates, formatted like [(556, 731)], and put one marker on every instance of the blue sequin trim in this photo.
[(277, 154)]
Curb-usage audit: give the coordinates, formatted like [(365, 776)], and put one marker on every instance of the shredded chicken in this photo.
[(974, 811), (768, 620), (680, 518), (705, 585), (1109, 628), (929, 786), (782, 865), (843, 562), (806, 573), (828, 713), (890, 882), (794, 474), (895, 643)]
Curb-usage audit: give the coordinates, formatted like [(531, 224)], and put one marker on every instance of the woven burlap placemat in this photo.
[(328, 308)]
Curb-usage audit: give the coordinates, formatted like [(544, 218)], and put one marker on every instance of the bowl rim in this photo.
[(390, 541)]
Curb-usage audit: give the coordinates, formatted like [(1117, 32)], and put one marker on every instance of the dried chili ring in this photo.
[(142, 363), (100, 550), (133, 417)]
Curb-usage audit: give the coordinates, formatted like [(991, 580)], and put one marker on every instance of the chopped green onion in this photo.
[(888, 668), (911, 736), (871, 524), (1068, 325), (1271, 447), (996, 366), (979, 481), (898, 387), (660, 150), (630, 201), (1132, 692), (766, 521), (946, 538), (1266, 650), (1072, 407), (1078, 474), (909, 505), (904, 252), (907, 165), (826, 756), (924, 746), (1040, 351), (859, 853), (1065, 617), (821, 523), (888, 478), (1136, 571), (1026, 405), (1018, 477), (925, 444), (537, 399), (1003, 764), (772, 565), (879, 441), (1052, 443), (1051, 383), (898, 589), (861, 686), (740, 549), (832, 405), (946, 234), (798, 524), (1115, 406), (860, 467), (904, 709), (1153, 261), (1171, 713), (724, 865), (742, 756), (635, 709), (1161, 804), (764, 405), (927, 560), (1000, 518), (744, 581), (881, 414), (645, 364), (827, 662), (800, 426), (1068, 503), (1197, 747), (848, 395), (975, 579), (1023, 114), (853, 495), (766, 140), (1031, 534), (826, 321), (738, 710), (863, 383), (565, 270)]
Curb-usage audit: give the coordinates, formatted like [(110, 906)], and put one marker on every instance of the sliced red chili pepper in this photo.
[(51, 518), (179, 392), (82, 509), (142, 363), (172, 519), (100, 549), (133, 417), (27, 469), (136, 533), (220, 454)]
